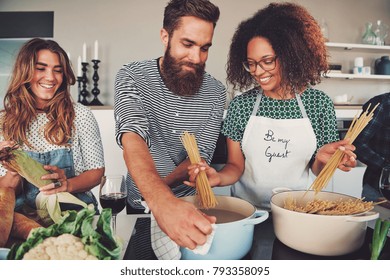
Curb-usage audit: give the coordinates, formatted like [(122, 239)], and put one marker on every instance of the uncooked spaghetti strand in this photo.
[(204, 192), (349, 131), (365, 118), (327, 172), (207, 198), (356, 127)]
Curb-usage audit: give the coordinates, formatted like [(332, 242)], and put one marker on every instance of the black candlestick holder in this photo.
[(79, 79), (84, 92), (95, 90)]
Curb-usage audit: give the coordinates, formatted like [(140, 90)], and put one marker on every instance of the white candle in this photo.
[(96, 50), (79, 66), (84, 52)]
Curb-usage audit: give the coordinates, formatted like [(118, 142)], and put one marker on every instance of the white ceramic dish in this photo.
[(322, 235)]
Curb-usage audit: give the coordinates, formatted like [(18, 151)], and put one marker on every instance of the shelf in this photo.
[(354, 76), (347, 46)]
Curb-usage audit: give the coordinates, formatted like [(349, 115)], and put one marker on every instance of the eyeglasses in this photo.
[(267, 64)]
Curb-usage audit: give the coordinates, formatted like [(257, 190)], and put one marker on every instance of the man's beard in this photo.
[(179, 81)]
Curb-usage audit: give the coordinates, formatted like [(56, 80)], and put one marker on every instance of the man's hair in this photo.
[(176, 9)]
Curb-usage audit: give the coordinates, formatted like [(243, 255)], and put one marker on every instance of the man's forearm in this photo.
[(142, 169)]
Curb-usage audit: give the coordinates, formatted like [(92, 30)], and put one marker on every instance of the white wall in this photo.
[(113, 155), (128, 30)]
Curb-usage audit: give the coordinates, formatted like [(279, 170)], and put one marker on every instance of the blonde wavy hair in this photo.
[(20, 104)]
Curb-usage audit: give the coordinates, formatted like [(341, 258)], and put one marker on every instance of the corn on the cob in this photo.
[(27, 167), (48, 207)]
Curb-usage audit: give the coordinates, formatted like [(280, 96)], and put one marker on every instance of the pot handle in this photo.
[(259, 216), (279, 190), (364, 217)]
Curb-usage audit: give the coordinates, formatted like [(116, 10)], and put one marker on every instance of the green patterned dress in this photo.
[(319, 108)]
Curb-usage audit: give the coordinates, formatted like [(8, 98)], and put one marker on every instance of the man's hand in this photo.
[(183, 222)]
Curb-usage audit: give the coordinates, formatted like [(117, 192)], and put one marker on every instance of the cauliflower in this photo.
[(63, 247), (71, 238)]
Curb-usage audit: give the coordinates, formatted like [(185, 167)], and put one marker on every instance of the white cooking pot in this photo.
[(323, 235)]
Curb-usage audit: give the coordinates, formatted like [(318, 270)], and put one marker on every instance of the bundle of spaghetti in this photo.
[(357, 125), (205, 195), (327, 207)]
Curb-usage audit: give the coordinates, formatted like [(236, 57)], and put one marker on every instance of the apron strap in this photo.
[(257, 103), (298, 97), (300, 104)]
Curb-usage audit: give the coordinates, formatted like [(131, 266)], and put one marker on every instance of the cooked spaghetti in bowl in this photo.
[(350, 206)]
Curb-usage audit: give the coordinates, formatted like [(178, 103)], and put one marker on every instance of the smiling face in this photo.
[(258, 49), (47, 77)]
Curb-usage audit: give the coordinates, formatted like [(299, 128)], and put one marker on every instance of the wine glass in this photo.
[(384, 182), (112, 194)]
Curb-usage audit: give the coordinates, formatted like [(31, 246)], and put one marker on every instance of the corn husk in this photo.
[(27, 167), (49, 209), (48, 206)]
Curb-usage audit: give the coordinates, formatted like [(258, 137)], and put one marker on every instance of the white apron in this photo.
[(277, 154)]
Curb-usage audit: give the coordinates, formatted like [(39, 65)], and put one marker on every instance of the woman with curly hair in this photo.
[(41, 118), (280, 127)]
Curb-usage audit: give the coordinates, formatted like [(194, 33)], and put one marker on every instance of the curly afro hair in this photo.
[(296, 39)]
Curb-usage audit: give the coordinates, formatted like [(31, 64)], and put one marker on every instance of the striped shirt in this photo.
[(144, 105)]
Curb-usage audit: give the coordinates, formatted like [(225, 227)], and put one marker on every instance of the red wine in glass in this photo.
[(112, 194), (115, 201)]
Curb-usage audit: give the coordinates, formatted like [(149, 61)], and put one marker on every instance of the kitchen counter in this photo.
[(134, 230), (125, 227)]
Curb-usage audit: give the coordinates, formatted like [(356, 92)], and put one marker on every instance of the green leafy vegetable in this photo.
[(98, 241), (379, 238)]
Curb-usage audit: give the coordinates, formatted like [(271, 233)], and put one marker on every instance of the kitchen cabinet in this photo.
[(350, 183)]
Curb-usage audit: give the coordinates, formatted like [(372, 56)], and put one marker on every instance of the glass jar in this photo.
[(380, 31), (369, 36), (324, 30)]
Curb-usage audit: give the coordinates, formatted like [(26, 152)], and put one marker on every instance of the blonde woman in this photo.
[(40, 116)]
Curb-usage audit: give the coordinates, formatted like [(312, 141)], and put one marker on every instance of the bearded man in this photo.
[(155, 102)]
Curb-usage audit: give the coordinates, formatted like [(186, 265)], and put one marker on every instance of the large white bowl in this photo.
[(3, 253), (322, 235)]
